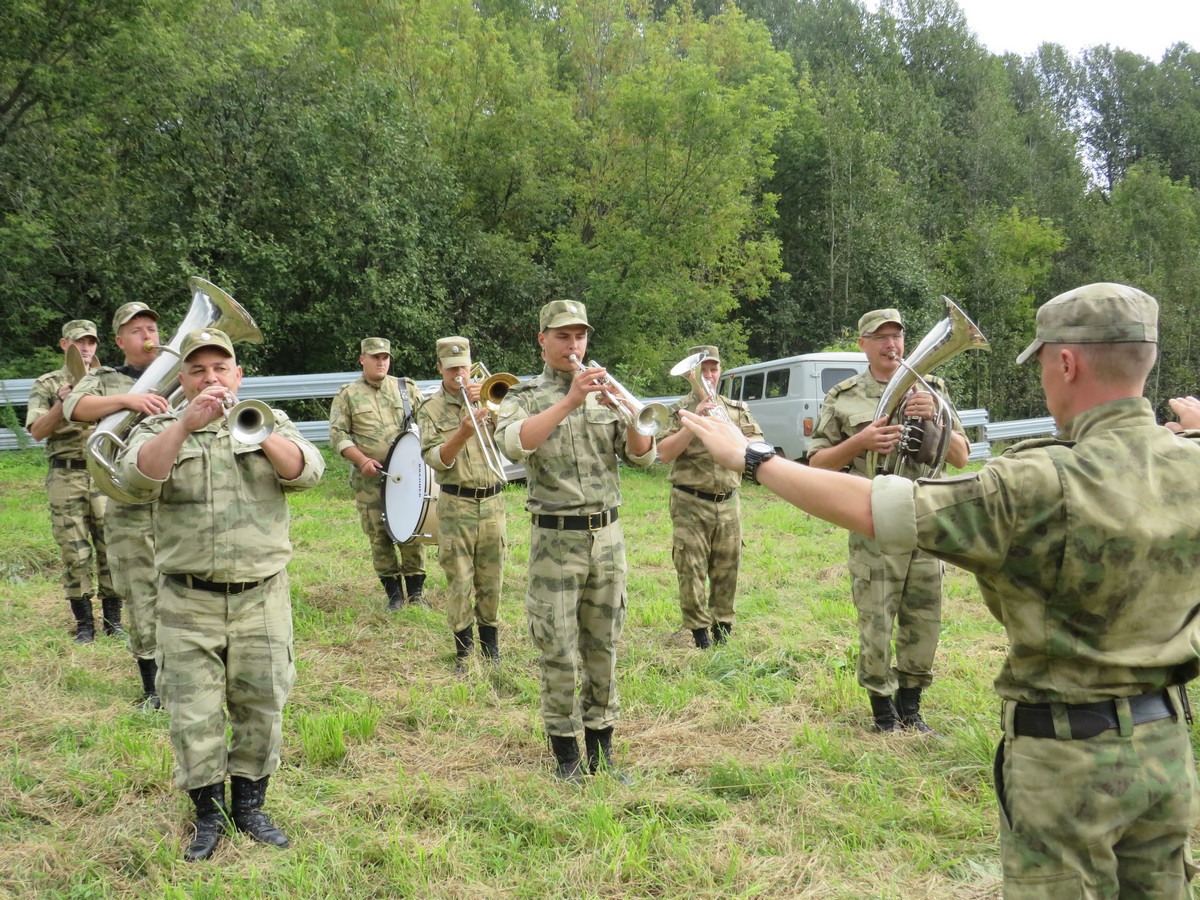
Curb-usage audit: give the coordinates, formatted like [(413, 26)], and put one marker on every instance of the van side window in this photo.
[(777, 382), (752, 389), (728, 385), (830, 377)]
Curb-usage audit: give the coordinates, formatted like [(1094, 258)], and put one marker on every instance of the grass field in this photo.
[(754, 773)]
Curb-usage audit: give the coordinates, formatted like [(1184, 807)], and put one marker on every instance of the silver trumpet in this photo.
[(645, 418), (492, 457), (249, 421), (690, 369)]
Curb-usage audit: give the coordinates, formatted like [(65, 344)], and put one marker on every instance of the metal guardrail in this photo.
[(1019, 428)]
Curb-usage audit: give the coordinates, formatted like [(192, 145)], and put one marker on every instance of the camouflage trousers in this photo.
[(77, 521), (575, 606), (236, 650), (903, 591), (1108, 816), (706, 544), (384, 551), (130, 531), (471, 548)]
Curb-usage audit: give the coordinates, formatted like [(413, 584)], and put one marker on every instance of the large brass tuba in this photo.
[(211, 308), (921, 451)]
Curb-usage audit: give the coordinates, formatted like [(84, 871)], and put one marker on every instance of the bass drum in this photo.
[(409, 493)]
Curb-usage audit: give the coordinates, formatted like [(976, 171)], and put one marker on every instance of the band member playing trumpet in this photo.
[(76, 504), (706, 513), (225, 615), (903, 590), (471, 532), (575, 603), (128, 528), (366, 416)]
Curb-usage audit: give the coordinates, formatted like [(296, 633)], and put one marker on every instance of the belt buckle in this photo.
[(480, 494), (600, 516)]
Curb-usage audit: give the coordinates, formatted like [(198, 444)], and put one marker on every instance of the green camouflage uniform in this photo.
[(223, 517), (576, 600), (76, 504), (471, 533), (371, 417), (128, 528), (1086, 548), (901, 590), (707, 534)]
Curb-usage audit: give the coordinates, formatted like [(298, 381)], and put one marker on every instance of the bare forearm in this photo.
[(95, 407), (536, 428), (44, 425), (285, 456), (837, 457), (671, 446), (959, 452), (837, 497)]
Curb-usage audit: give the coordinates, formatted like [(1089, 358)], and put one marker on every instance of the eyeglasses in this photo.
[(879, 338)]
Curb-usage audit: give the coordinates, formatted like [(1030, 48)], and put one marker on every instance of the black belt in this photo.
[(1090, 719), (473, 493), (592, 522), (68, 464), (703, 495), (216, 587)]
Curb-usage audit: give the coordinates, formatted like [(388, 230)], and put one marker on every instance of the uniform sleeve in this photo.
[(40, 401), (89, 386), (639, 462), (827, 432), (749, 427), (314, 462), (135, 482), (508, 428), (431, 438), (339, 422)]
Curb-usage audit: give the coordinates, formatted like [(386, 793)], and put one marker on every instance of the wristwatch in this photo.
[(757, 453)]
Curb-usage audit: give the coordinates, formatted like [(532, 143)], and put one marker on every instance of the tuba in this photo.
[(921, 451), (690, 368), (211, 308)]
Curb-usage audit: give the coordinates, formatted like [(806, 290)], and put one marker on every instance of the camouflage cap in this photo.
[(1101, 313), (371, 346), (454, 351), (129, 310), (558, 313), (80, 328), (205, 337), (709, 351), (872, 321)]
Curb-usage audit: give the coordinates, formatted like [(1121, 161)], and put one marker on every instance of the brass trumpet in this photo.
[(249, 421), (491, 392), (645, 418), (690, 368)]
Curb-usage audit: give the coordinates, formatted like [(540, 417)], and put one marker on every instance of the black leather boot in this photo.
[(598, 742), (414, 586), (85, 627), (395, 593), (248, 817), (150, 701), (566, 754), (110, 610), (721, 632), (210, 821), (908, 708), (700, 636), (884, 711), (489, 642), (463, 642)]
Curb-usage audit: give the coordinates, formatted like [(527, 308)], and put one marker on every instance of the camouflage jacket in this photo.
[(849, 407), (695, 466), (102, 382), (574, 471), (222, 512), (439, 418), (67, 440), (370, 416), (1085, 546)]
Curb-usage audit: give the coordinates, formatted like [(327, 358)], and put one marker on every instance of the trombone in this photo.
[(645, 418), (491, 392), (690, 368)]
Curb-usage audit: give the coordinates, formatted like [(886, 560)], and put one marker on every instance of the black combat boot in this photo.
[(566, 754), (210, 821), (150, 701), (85, 628), (248, 817), (489, 642), (414, 586), (395, 593), (110, 610), (598, 742), (884, 711), (908, 708), (463, 642), (721, 632), (700, 636)]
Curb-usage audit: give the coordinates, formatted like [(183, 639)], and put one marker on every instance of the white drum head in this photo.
[(408, 492)]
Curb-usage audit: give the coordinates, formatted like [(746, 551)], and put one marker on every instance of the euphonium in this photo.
[(645, 418), (923, 445), (211, 308), (690, 368)]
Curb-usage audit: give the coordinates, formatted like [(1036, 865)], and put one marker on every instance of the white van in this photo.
[(785, 395)]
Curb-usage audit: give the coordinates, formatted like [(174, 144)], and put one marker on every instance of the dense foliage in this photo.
[(753, 176)]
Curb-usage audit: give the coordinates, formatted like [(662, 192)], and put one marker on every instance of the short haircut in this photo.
[(1126, 362)]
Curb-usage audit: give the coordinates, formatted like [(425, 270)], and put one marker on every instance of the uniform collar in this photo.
[(558, 376), (1131, 411)]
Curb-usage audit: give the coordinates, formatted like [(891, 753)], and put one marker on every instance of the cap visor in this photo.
[(1029, 352)]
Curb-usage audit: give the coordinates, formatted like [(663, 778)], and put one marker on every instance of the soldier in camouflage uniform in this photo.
[(706, 512), (1085, 546), (902, 591), (365, 418), (225, 615), (575, 603), (471, 534), (76, 505), (128, 527)]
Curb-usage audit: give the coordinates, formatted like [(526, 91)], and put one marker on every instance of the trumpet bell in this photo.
[(653, 419), (494, 388), (251, 421)]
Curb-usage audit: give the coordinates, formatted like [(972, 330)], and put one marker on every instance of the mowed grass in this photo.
[(755, 775)]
